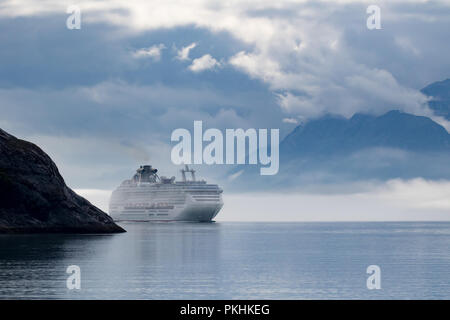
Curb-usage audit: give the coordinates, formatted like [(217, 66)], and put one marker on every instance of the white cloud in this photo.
[(153, 52), (417, 194), (304, 50), (406, 44), (203, 63), (234, 176), (183, 53), (372, 91), (257, 66), (290, 120), (395, 200)]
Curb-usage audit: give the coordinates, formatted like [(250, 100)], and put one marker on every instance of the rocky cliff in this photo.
[(35, 199)]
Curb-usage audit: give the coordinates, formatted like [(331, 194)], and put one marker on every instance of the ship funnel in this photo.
[(146, 173)]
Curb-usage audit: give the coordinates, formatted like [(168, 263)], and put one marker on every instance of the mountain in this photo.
[(35, 199), (334, 135), (439, 92), (393, 145), (365, 147), (334, 149)]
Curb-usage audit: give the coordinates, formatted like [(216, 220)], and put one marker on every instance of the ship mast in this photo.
[(186, 169)]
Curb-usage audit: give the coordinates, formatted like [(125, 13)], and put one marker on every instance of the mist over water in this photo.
[(226, 260)]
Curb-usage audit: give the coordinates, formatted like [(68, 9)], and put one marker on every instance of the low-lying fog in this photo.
[(394, 200)]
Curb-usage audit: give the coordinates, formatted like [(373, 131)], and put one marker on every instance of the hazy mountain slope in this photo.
[(332, 135), (440, 97), (364, 147)]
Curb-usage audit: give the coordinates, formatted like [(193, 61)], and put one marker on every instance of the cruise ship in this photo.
[(148, 197)]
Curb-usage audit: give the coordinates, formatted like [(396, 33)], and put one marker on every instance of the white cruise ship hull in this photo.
[(193, 212)]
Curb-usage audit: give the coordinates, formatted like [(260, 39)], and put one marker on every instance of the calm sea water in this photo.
[(232, 261)]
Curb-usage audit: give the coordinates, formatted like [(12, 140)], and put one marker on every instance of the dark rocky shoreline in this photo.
[(35, 199)]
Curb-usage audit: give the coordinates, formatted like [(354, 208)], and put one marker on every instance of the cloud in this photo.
[(257, 66), (290, 120), (102, 162), (318, 57), (96, 132), (233, 176), (117, 108), (290, 59), (153, 52), (376, 91), (417, 194), (395, 200), (203, 63), (183, 53)]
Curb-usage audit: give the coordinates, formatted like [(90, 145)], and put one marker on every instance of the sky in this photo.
[(104, 99)]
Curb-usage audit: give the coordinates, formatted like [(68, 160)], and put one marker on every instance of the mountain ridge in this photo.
[(394, 129), (364, 147), (439, 94)]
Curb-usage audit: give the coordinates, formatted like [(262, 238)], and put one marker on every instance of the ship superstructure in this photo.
[(148, 197)]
